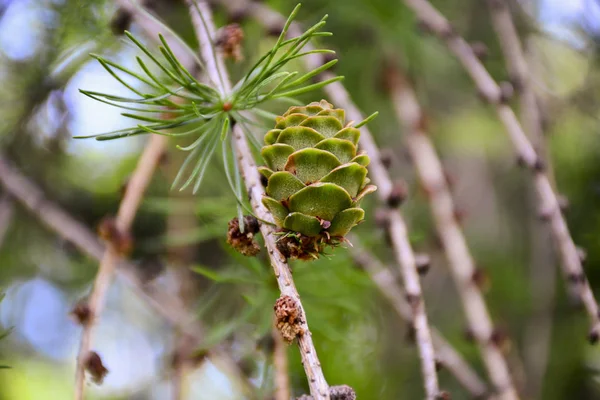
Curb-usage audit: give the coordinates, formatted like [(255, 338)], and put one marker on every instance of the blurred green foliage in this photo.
[(360, 340)]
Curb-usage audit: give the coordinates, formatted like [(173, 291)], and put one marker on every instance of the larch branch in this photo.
[(216, 71), (431, 175), (397, 227), (572, 268), (445, 354), (168, 306), (127, 209)]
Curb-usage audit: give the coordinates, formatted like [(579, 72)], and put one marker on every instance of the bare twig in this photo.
[(280, 364), (445, 354), (397, 227), (215, 70), (460, 261), (538, 333), (571, 263), (127, 209)]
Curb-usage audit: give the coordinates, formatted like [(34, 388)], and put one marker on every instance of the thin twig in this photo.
[(572, 269), (538, 333), (396, 225), (280, 365), (58, 220), (445, 354), (460, 261), (215, 70), (127, 209)]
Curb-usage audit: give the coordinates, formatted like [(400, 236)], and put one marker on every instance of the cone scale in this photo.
[(316, 178)]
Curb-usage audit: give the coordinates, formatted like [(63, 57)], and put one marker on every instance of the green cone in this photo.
[(316, 177)]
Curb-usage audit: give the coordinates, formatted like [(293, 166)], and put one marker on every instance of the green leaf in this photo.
[(349, 133), (276, 208), (343, 149), (299, 137), (345, 221), (282, 185), (276, 155), (325, 125), (310, 164), (323, 200), (290, 120), (302, 223), (349, 176)]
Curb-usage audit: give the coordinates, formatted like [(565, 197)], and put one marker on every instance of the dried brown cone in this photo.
[(95, 367), (288, 317), (243, 241), (229, 41), (340, 392)]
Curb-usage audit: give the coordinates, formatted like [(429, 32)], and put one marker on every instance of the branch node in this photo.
[(398, 194)]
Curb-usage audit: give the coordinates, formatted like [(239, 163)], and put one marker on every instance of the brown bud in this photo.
[(243, 241), (423, 263), (289, 318), (342, 392), (398, 194), (593, 336), (413, 299), (109, 231), (386, 157), (576, 278), (81, 313), (481, 279), (500, 339), (539, 165), (439, 365), (443, 395), (506, 92), (480, 50), (94, 366), (229, 42), (120, 21)]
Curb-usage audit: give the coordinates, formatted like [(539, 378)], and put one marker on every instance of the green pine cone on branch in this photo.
[(316, 178)]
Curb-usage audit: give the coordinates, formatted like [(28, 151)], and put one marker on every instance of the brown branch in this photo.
[(445, 354), (571, 263), (127, 209), (460, 261), (216, 71), (396, 225)]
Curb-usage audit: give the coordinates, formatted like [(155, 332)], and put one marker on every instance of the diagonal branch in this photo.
[(460, 261), (215, 70), (572, 268), (127, 209), (396, 225), (539, 330), (446, 355), (169, 307)]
